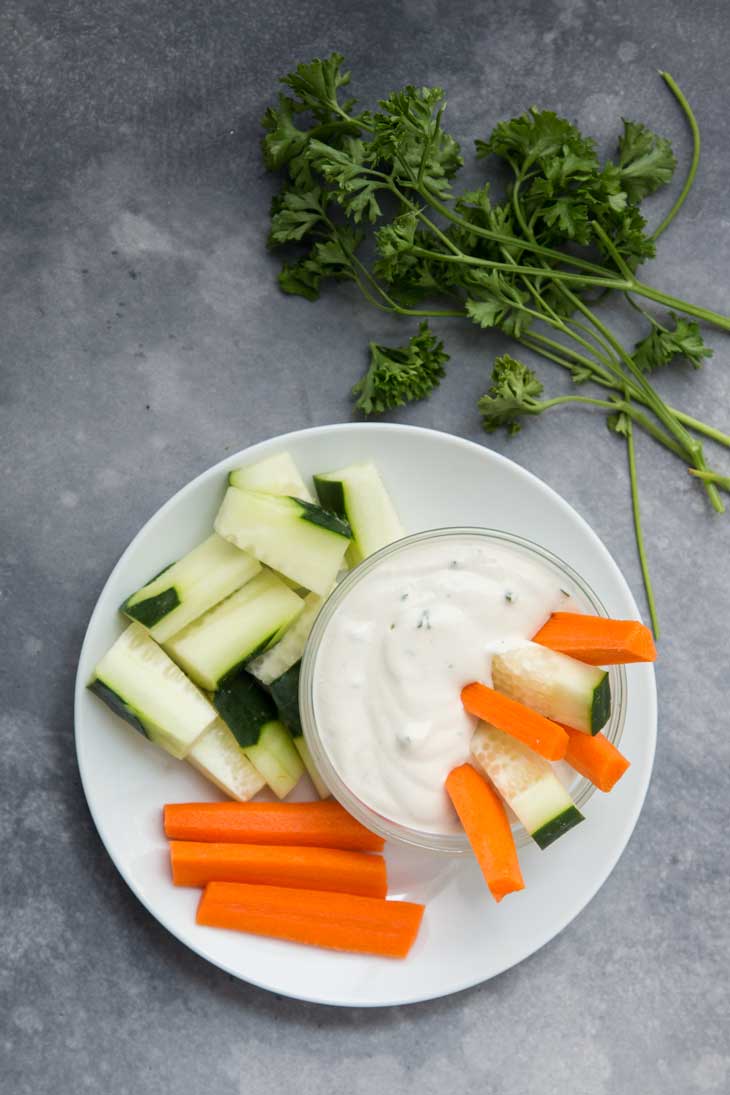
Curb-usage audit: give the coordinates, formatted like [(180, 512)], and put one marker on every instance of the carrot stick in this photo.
[(343, 922), (596, 640), (545, 737), (315, 824), (195, 864), (595, 758), (484, 818)]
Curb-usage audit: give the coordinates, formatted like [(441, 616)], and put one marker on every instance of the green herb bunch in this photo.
[(535, 264)]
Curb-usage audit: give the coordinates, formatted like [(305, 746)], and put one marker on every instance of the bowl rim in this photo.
[(388, 828)]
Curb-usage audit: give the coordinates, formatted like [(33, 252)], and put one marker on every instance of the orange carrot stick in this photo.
[(595, 758), (484, 818), (596, 640), (315, 824), (545, 737), (343, 922), (195, 864)]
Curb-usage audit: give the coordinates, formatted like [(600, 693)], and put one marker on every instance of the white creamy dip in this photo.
[(396, 654)]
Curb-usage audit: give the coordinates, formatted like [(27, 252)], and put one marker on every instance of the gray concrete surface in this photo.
[(143, 338)]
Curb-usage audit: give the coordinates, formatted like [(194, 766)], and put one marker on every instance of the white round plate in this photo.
[(435, 480)]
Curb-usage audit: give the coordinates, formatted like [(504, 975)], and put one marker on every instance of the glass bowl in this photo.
[(451, 843)]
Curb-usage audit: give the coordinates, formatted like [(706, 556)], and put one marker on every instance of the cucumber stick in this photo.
[(217, 755), (278, 670), (285, 693), (297, 538), (250, 714), (269, 666), (308, 760), (139, 682), (275, 475), (217, 644), (189, 587), (554, 685), (527, 783), (357, 494)]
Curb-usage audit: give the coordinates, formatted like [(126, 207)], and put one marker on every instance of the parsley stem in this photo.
[(599, 333), (721, 481), (694, 163), (568, 358), (663, 413), (576, 358), (613, 406), (613, 251), (715, 318), (702, 427), (636, 286), (455, 251), (529, 271), (595, 335), (643, 312), (448, 313), (504, 238), (638, 531), (390, 304)]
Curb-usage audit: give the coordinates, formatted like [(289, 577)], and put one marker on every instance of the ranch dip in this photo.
[(397, 652)]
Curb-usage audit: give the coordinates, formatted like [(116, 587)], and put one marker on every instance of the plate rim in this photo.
[(630, 818)]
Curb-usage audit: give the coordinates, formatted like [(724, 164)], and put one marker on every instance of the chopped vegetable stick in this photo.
[(314, 824), (595, 758), (343, 922), (545, 737), (484, 818), (596, 640), (195, 864)]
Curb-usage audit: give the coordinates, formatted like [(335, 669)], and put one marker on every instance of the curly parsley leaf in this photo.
[(645, 160), (400, 375), (331, 258), (295, 214), (347, 169), (317, 84), (496, 301), (540, 137), (283, 139), (663, 346), (515, 391), (409, 140)]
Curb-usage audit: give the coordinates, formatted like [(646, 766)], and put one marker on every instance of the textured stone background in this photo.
[(142, 339)]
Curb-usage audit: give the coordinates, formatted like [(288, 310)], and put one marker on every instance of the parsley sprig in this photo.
[(368, 196), (401, 375)]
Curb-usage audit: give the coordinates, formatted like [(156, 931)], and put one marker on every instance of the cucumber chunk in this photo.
[(527, 783), (278, 670), (319, 785), (270, 666), (139, 682), (294, 537), (266, 758), (554, 685), (250, 714), (188, 588), (217, 755), (358, 494), (275, 475), (285, 693), (246, 623)]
